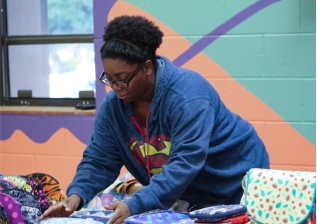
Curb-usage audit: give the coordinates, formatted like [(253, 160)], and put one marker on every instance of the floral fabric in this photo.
[(109, 198), (6, 185), (277, 196), (20, 182)]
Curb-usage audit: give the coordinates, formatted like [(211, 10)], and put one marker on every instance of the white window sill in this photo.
[(44, 110)]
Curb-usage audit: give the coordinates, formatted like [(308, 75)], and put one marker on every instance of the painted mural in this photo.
[(260, 55)]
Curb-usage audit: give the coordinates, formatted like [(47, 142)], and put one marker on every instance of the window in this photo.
[(47, 52)]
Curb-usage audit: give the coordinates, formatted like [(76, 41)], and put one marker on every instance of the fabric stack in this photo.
[(94, 212), (229, 214), (23, 199)]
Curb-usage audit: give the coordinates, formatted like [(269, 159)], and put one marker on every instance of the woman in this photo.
[(167, 125)]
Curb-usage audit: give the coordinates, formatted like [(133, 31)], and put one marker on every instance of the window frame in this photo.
[(5, 99)]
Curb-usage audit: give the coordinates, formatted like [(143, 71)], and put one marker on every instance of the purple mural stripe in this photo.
[(100, 88), (101, 13), (101, 16), (81, 127), (39, 128), (227, 26)]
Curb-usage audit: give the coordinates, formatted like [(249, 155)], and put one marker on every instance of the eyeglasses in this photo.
[(120, 83)]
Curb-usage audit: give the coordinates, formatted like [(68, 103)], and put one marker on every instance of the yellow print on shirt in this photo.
[(159, 151)]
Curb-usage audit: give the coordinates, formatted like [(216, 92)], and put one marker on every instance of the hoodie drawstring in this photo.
[(148, 146), (146, 139)]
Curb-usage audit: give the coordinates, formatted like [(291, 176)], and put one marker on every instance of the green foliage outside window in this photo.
[(70, 17)]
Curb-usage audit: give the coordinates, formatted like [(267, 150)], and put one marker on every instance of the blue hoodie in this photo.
[(198, 150)]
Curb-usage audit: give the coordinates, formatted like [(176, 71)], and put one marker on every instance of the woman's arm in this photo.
[(101, 161)]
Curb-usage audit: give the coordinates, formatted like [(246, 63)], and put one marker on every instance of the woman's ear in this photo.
[(148, 66)]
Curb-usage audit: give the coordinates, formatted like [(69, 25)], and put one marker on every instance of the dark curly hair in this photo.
[(131, 38)]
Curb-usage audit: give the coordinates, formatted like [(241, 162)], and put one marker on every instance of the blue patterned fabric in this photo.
[(97, 215), (29, 206), (69, 221), (217, 213), (105, 213), (95, 218), (162, 217)]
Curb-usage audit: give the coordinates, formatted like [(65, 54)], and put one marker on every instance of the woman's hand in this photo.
[(121, 212), (63, 208)]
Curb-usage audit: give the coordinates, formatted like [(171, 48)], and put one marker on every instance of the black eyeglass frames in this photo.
[(119, 83)]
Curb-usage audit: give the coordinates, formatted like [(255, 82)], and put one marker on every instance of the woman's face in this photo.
[(117, 69)]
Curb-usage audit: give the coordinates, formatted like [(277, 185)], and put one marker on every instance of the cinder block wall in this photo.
[(259, 55)]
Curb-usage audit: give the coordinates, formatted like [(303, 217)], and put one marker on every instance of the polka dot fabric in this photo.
[(276, 196), (38, 192), (12, 209)]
